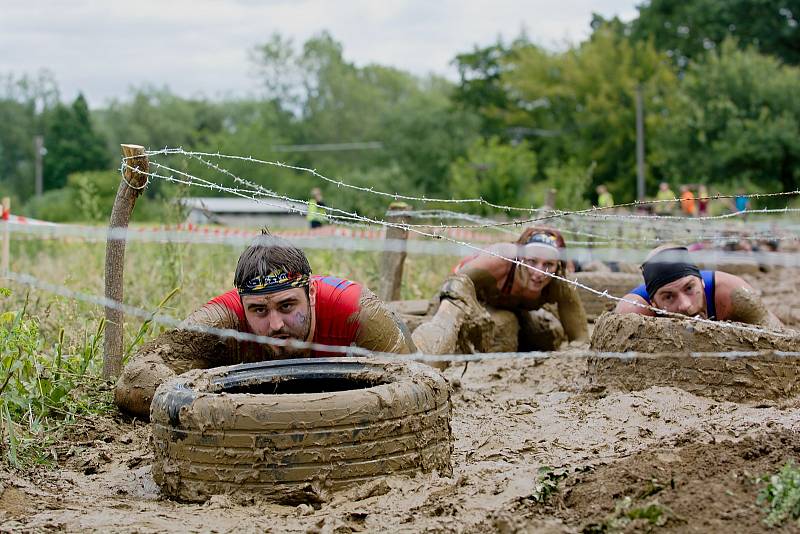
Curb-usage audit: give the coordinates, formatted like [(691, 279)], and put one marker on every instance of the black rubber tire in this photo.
[(210, 437), (617, 284)]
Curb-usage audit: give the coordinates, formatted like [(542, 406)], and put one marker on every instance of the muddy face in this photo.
[(685, 296), (283, 315), (534, 280)]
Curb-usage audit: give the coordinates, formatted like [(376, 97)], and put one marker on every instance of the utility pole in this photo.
[(639, 144), (39, 151)]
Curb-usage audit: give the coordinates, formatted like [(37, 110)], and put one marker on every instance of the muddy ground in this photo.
[(684, 462)]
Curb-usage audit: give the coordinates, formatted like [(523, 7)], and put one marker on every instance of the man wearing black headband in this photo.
[(276, 296), (673, 283), (507, 285)]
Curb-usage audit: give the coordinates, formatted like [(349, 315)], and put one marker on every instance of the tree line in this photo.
[(718, 79)]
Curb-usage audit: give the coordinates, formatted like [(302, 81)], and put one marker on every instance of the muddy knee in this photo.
[(135, 387)]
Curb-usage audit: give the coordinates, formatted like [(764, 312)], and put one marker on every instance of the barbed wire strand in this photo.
[(397, 196), (227, 333), (575, 282)]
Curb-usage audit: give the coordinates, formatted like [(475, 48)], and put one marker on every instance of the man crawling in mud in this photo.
[(275, 295), (505, 285), (673, 283)]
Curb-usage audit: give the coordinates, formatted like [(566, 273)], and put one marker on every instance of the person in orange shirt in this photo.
[(688, 204)]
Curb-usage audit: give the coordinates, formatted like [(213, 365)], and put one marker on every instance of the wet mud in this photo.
[(510, 418), (610, 450)]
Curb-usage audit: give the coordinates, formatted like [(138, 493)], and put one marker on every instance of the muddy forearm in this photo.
[(571, 313), (172, 353), (380, 329)]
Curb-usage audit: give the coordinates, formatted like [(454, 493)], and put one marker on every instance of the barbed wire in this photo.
[(228, 333), (729, 234), (522, 264), (480, 201), (345, 216), (342, 239)]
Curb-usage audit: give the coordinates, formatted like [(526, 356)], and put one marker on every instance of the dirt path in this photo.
[(511, 417)]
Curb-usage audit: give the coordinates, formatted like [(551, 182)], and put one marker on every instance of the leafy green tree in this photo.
[(335, 101), (499, 173), (688, 29), (736, 120), (23, 100), (580, 104), (72, 144), (480, 88)]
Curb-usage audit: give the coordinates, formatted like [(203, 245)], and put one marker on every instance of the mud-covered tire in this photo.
[(246, 430), (616, 284)]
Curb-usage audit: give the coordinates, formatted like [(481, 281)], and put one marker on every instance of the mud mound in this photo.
[(637, 333), (762, 377), (665, 344), (616, 284), (700, 488)]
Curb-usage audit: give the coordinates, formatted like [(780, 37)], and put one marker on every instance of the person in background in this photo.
[(316, 211), (741, 202), (702, 201), (688, 204), (664, 194), (604, 198)]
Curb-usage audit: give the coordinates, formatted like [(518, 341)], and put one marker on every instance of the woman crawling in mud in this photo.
[(276, 296), (499, 283), (673, 283)]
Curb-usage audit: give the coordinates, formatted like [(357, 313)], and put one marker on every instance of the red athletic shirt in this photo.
[(338, 302)]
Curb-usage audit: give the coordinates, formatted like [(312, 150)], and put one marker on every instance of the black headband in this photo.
[(667, 266)]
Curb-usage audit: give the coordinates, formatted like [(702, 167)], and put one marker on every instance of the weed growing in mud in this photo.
[(547, 485), (43, 388), (625, 513), (781, 495)]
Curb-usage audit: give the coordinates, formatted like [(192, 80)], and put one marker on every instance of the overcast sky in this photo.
[(200, 47)]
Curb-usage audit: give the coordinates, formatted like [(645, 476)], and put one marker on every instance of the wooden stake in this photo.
[(6, 214), (130, 187), (392, 260)]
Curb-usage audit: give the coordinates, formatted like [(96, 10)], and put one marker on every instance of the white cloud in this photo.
[(200, 46)]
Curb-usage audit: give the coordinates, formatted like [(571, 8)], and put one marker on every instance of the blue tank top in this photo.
[(708, 280)]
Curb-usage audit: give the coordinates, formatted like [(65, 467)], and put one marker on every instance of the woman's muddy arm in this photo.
[(172, 353), (380, 329), (571, 312)]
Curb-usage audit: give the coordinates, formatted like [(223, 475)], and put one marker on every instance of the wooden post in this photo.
[(130, 187), (6, 214), (392, 260)]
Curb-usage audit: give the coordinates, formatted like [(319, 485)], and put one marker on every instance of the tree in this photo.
[(499, 173), (72, 144), (686, 30), (480, 88), (335, 101), (580, 104), (736, 120), (23, 101)]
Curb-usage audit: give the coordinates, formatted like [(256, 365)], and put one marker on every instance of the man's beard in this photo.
[(300, 333)]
